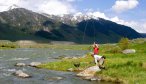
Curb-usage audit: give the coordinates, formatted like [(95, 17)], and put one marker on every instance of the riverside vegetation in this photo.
[(123, 68)]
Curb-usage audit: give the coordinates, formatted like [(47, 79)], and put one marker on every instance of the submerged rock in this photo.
[(128, 51), (74, 57), (60, 57), (34, 64), (67, 58), (21, 74), (20, 64), (89, 72), (70, 69), (95, 79), (54, 78), (92, 78), (19, 59)]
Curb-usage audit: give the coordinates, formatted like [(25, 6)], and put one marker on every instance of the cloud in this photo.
[(88, 10), (138, 26), (55, 7), (144, 27), (70, 0), (124, 5), (97, 14), (5, 4)]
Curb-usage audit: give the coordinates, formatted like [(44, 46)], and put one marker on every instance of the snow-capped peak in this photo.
[(13, 7), (77, 17), (80, 16)]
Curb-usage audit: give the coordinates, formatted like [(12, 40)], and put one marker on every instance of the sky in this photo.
[(126, 12)]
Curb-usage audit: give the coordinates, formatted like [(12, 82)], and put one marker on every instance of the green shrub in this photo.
[(116, 49), (124, 43)]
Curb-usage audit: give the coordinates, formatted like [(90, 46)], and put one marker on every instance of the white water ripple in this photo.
[(19, 59)]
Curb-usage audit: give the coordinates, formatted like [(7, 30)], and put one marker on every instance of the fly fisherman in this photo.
[(99, 60)]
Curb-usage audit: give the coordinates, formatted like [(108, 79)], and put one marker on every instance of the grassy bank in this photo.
[(129, 68), (6, 44)]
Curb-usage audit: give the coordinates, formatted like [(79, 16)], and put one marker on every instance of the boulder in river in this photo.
[(21, 74), (34, 64), (128, 51), (89, 72), (20, 64)]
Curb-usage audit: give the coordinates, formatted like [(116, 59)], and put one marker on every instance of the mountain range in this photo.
[(23, 24), (143, 35)]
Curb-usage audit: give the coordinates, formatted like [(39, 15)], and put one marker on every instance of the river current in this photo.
[(8, 59)]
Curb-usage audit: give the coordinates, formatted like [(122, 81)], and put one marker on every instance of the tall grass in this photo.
[(128, 68), (66, 64), (7, 44)]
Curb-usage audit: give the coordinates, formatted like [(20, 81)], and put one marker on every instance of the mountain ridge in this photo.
[(55, 28), (143, 34)]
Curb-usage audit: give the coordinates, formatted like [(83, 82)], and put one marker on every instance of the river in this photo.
[(9, 57)]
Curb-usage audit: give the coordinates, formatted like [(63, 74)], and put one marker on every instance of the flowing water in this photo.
[(8, 58)]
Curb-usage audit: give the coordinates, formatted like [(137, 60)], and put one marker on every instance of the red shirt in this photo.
[(96, 51)]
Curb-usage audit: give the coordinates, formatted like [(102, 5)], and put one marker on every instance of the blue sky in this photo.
[(95, 4), (127, 12), (105, 6)]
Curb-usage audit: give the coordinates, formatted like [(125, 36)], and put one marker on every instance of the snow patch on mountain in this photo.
[(14, 6)]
